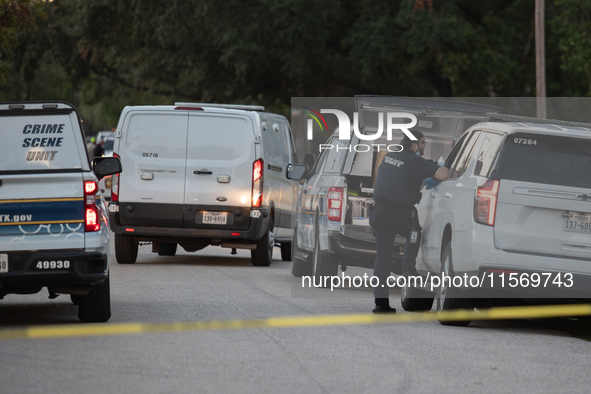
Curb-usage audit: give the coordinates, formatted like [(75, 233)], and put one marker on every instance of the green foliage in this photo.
[(16, 16), (102, 55)]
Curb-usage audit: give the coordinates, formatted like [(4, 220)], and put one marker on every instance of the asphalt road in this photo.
[(517, 356)]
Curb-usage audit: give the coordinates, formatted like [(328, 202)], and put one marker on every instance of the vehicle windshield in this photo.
[(548, 159)]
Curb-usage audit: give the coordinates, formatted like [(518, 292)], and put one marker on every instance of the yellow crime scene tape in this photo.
[(89, 330)]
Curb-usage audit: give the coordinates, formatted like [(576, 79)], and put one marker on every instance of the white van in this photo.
[(53, 230), (199, 175)]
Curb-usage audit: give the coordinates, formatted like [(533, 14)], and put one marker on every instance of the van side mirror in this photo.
[(103, 166), (296, 172)]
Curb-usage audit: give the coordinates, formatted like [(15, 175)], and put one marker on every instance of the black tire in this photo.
[(286, 251), (262, 256), (299, 267), (450, 298), (415, 300), (167, 248), (95, 307), (324, 263), (76, 299), (125, 249)]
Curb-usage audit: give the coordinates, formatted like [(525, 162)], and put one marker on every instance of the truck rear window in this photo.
[(36, 143), (552, 160)]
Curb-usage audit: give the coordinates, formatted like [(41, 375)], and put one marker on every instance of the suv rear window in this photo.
[(41, 142), (547, 159)]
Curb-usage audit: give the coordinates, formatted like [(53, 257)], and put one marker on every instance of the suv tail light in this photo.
[(485, 202), (257, 184), (335, 203), (115, 184), (92, 221)]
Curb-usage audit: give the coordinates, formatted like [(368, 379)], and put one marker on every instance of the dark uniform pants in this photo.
[(386, 224)]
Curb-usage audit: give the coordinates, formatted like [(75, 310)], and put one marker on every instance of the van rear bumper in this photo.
[(85, 268), (254, 232)]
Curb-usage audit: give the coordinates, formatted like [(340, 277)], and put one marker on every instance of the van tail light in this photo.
[(485, 202), (92, 220), (335, 203), (115, 184), (257, 184)]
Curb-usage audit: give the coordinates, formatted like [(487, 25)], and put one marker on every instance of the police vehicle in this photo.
[(53, 228)]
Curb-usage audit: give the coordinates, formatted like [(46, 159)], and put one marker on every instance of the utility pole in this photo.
[(540, 61)]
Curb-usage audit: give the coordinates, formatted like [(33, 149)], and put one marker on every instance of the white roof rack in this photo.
[(228, 106)]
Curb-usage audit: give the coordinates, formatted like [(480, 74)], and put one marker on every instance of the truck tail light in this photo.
[(115, 184), (485, 202), (335, 203), (91, 214), (257, 184)]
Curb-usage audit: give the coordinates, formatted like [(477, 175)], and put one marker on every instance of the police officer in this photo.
[(397, 189)]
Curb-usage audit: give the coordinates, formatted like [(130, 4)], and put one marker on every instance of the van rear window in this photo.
[(552, 160), (33, 143)]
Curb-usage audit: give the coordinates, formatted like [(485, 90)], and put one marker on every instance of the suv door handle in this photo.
[(447, 195), (202, 172), (275, 167)]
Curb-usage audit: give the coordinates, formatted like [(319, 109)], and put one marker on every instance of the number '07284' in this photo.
[(525, 141)]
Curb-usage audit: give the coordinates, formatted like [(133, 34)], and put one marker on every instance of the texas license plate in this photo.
[(215, 217), (579, 223), (3, 263)]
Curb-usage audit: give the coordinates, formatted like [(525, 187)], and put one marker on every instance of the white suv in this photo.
[(202, 174), (516, 213)]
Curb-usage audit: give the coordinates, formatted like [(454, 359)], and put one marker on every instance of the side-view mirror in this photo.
[(103, 166), (297, 172), (309, 160)]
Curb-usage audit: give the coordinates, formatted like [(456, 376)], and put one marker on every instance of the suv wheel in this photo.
[(415, 300), (323, 263), (125, 249), (299, 267), (450, 298), (167, 248), (263, 254), (95, 307)]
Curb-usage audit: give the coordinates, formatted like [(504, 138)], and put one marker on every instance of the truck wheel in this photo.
[(263, 254), (167, 248), (95, 307), (125, 249), (286, 251), (299, 267), (415, 300), (450, 298), (324, 263), (76, 299)]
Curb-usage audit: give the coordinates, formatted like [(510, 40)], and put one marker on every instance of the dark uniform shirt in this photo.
[(399, 180), (98, 151)]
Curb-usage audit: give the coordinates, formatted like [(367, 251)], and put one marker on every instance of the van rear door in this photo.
[(153, 155), (544, 199), (218, 181), (41, 179)]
